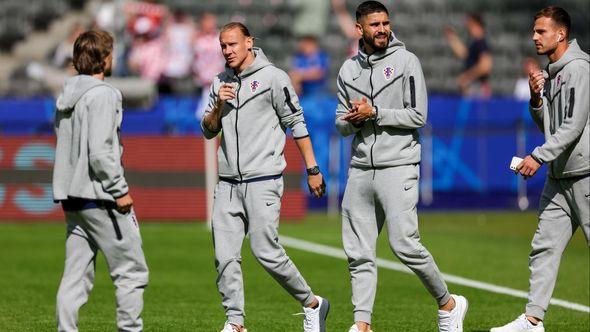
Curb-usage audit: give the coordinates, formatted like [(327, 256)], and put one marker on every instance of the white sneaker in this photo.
[(520, 324), (315, 319), (355, 328), (231, 328), (453, 321)]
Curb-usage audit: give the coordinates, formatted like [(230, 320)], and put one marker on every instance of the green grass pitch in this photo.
[(490, 247)]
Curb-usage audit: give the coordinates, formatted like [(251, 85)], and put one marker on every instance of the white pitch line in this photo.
[(391, 265)]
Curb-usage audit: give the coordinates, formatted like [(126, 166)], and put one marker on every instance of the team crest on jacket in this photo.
[(388, 73), (254, 85)]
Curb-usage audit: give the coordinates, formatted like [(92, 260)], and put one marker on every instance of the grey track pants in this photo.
[(374, 198), (564, 206), (252, 208), (117, 236)]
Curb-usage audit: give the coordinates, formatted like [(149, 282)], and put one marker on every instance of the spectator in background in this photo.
[(310, 67), (156, 13), (474, 80), (311, 17), (207, 61), (308, 75), (347, 26), (522, 90), (108, 18), (62, 58), (179, 33), (148, 56)]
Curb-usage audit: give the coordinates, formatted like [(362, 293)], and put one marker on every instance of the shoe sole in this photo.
[(324, 310)]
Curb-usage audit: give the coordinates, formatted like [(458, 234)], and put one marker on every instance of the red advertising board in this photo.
[(166, 176)]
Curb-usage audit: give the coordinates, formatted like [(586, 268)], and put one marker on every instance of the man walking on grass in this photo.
[(89, 183), (560, 108), (382, 102), (252, 103)]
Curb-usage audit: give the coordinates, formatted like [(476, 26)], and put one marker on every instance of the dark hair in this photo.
[(237, 25), (477, 18), (369, 7), (90, 51), (558, 15)]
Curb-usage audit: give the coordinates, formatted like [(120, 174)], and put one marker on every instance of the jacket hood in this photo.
[(573, 52), (394, 45), (260, 61), (74, 88)]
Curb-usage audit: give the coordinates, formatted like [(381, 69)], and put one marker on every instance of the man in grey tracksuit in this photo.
[(252, 103), (560, 108), (88, 181), (382, 102)]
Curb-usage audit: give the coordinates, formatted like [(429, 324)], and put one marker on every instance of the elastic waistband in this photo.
[(262, 178), (77, 204), (370, 168)]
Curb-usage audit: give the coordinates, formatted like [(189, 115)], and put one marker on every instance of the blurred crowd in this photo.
[(179, 51), (173, 49)]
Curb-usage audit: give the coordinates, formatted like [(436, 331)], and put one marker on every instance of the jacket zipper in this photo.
[(237, 136), (372, 103)]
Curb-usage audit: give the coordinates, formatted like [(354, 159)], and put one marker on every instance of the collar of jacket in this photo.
[(365, 59), (260, 61), (572, 53)]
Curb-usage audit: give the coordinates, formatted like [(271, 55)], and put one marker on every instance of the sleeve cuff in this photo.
[(207, 133), (300, 130), (537, 159), (535, 108), (117, 196)]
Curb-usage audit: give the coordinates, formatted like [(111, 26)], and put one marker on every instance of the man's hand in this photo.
[(124, 203), (225, 93), (536, 84), (449, 32), (316, 185), (528, 167), (212, 120), (360, 111)]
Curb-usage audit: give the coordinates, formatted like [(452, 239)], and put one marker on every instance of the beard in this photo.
[(108, 71), (371, 41)]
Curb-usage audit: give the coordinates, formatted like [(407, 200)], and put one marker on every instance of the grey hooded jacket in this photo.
[(563, 117), (392, 81), (254, 123), (88, 152)]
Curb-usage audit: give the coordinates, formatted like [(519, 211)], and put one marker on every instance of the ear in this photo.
[(249, 43), (561, 35), (359, 29)]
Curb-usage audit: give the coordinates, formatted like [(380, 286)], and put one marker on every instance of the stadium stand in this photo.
[(419, 23)]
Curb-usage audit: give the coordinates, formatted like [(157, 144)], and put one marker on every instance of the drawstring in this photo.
[(374, 171), (231, 191), (246, 192)]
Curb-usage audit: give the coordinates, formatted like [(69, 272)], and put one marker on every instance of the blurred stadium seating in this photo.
[(419, 23)]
